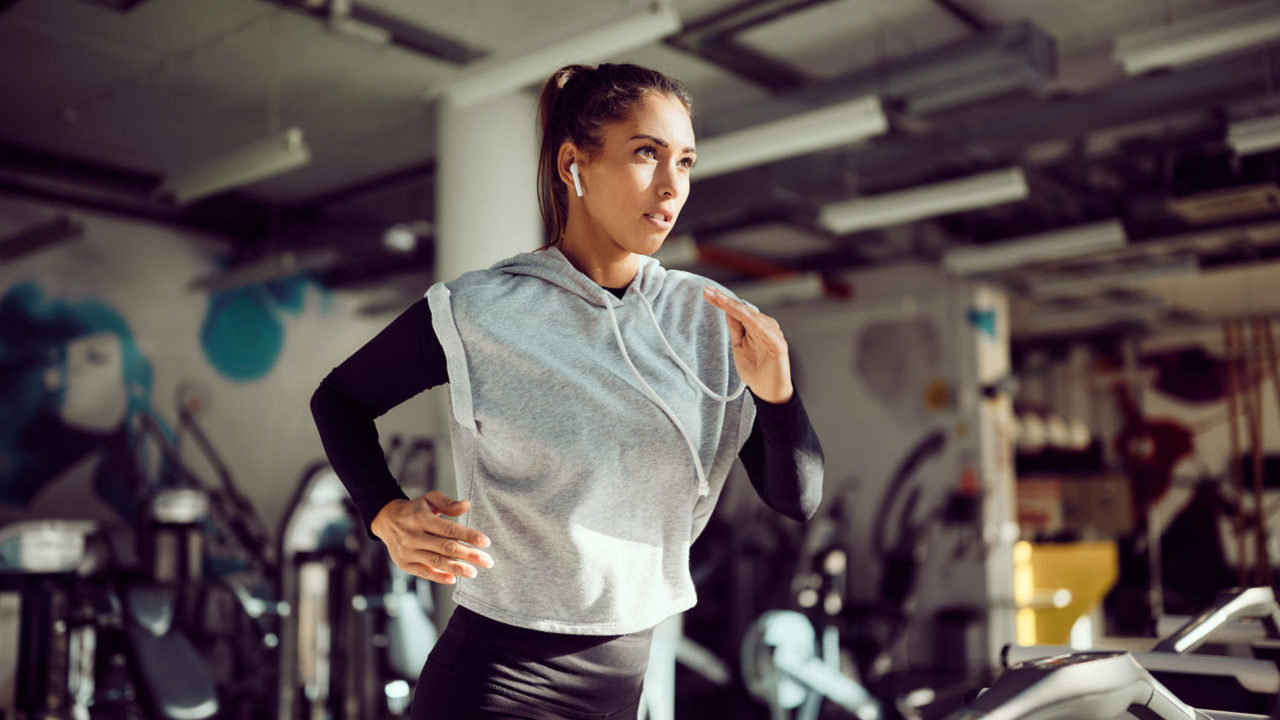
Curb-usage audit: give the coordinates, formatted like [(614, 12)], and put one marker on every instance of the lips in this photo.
[(658, 220)]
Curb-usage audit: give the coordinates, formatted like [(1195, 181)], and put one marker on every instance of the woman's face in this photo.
[(94, 397), (636, 183)]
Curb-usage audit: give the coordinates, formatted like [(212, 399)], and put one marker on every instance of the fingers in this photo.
[(440, 563), (732, 306), (751, 322), (437, 503), (427, 572), (445, 505), (436, 558), (423, 543), (432, 525), (450, 550)]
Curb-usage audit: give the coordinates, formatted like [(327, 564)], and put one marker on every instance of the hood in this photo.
[(551, 265)]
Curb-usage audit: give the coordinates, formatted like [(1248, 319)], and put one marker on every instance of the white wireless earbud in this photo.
[(577, 184)]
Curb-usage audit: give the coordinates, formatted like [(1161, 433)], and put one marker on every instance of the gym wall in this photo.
[(100, 331)]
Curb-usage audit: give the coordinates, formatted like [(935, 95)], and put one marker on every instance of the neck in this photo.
[(601, 260)]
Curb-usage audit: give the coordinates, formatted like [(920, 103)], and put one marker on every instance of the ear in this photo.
[(568, 154)]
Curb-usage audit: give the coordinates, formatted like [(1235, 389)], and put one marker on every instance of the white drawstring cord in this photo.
[(703, 487), (688, 373)]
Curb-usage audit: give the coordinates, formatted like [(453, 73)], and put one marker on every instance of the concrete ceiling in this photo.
[(104, 98)]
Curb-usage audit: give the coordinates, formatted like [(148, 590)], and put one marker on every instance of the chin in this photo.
[(648, 246)]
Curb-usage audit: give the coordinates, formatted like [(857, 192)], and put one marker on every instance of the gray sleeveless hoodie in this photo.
[(592, 435)]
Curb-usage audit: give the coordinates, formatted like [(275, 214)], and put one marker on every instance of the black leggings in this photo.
[(482, 669)]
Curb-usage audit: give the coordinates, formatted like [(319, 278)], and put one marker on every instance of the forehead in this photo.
[(661, 116)]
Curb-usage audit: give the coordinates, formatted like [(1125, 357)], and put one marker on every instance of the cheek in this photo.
[(641, 176)]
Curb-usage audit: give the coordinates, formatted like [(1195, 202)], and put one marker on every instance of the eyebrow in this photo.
[(659, 141)]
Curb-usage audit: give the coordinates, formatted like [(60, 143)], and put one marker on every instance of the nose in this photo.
[(669, 181)]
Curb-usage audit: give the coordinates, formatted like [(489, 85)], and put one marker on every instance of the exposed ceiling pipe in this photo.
[(1012, 58), (988, 135)]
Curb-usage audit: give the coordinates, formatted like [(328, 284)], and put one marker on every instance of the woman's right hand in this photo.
[(422, 543)]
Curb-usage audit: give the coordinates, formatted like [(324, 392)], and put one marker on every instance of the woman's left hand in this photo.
[(759, 348)]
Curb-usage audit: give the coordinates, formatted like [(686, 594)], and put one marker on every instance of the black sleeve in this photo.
[(400, 362), (783, 458)]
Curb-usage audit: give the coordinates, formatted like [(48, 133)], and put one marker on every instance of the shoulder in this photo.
[(687, 285), (682, 282), (475, 284)]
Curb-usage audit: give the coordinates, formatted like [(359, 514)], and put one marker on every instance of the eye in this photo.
[(648, 150), (688, 163)]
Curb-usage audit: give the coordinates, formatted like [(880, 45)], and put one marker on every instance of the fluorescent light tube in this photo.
[(1254, 136), (61, 229), (992, 188), (513, 71), (1200, 37), (819, 129), (272, 267), (1073, 285), (280, 153), (1061, 319), (802, 287), (362, 31), (1056, 245)]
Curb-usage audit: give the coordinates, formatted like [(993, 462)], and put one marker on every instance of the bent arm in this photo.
[(783, 458), (400, 362)]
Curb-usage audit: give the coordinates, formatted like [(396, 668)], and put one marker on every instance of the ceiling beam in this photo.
[(714, 39), (964, 15)]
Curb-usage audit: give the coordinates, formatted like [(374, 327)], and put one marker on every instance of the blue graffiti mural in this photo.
[(243, 333), (73, 382), (983, 320)]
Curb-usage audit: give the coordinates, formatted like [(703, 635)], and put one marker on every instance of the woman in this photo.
[(598, 402)]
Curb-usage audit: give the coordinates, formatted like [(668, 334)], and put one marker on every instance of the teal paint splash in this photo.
[(243, 333)]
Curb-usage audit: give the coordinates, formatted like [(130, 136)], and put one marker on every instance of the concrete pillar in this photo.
[(486, 200), (486, 183)]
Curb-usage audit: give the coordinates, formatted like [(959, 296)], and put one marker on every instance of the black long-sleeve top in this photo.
[(782, 455)]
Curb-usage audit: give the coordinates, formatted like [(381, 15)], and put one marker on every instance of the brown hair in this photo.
[(577, 102)]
